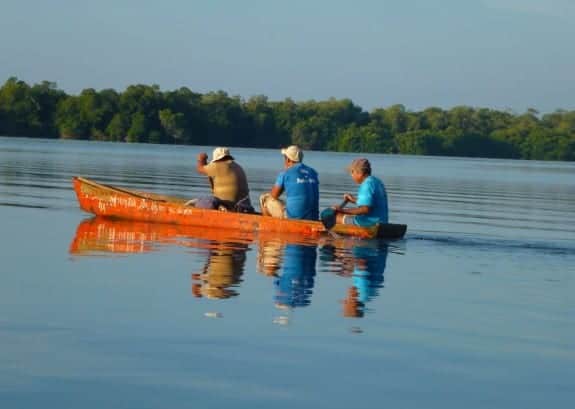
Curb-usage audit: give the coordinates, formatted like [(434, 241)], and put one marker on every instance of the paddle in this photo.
[(328, 216), (134, 193)]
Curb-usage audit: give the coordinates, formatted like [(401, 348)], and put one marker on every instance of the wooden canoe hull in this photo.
[(110, 201)]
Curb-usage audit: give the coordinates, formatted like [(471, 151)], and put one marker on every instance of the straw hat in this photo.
[(293, 153), (221, 153)]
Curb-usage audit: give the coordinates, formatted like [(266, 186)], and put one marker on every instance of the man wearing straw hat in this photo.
[(227, 179)]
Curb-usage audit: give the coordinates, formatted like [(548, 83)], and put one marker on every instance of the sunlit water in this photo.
[(473, 309)]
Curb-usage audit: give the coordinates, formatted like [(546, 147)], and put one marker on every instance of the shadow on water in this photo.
[(291, 262)]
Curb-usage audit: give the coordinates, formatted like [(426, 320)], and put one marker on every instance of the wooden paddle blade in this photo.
[(328, 217)]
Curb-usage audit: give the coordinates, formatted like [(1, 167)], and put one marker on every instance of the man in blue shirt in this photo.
[(371, 198), (301, 185)]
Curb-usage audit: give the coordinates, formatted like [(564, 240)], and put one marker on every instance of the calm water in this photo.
[(473, 309)]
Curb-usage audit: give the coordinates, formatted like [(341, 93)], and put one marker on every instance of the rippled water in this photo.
[(474, 308)]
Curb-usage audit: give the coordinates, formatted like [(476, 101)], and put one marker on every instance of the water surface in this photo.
[(474, 308)]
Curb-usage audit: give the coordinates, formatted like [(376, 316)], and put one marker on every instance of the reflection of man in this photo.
[(368, 272), (365, 263), (270, 254), (294, 286), (223, 269), (294, 266), (352, 307)]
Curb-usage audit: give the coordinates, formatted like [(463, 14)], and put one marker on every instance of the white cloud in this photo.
[(554, 8)]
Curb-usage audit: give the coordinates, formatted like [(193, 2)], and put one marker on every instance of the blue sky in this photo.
[(502, 54)]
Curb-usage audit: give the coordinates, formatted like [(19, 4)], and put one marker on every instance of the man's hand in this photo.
[(348, 197), (203, 158), (201, 164)]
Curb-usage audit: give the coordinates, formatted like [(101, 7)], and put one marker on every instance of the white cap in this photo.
[(293, 153), (220, 153)]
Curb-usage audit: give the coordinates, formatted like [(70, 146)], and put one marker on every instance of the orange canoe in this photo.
[(121, 203)]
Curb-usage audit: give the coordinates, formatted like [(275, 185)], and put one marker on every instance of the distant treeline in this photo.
[(144, 113)]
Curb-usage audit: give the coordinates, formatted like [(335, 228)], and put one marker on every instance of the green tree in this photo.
[(47, 96), (117, 129), (144, 113), (193, 122), (313, 133), (355, 138), (71, 119), (21, 111), (420, 143), (436, 119), (395, 118), (263, 122), (138, 128), (173, 123), (142, 104)]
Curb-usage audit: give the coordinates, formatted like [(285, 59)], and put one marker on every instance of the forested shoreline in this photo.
[(143, 113)]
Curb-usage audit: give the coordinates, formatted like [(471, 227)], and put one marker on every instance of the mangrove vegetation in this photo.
[(144, 113)]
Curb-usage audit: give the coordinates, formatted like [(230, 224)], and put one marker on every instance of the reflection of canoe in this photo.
[(103, 234), (100, 234), (110, 201)]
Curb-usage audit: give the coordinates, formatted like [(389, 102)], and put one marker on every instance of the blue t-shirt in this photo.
[(372, 193), (301, 185)]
